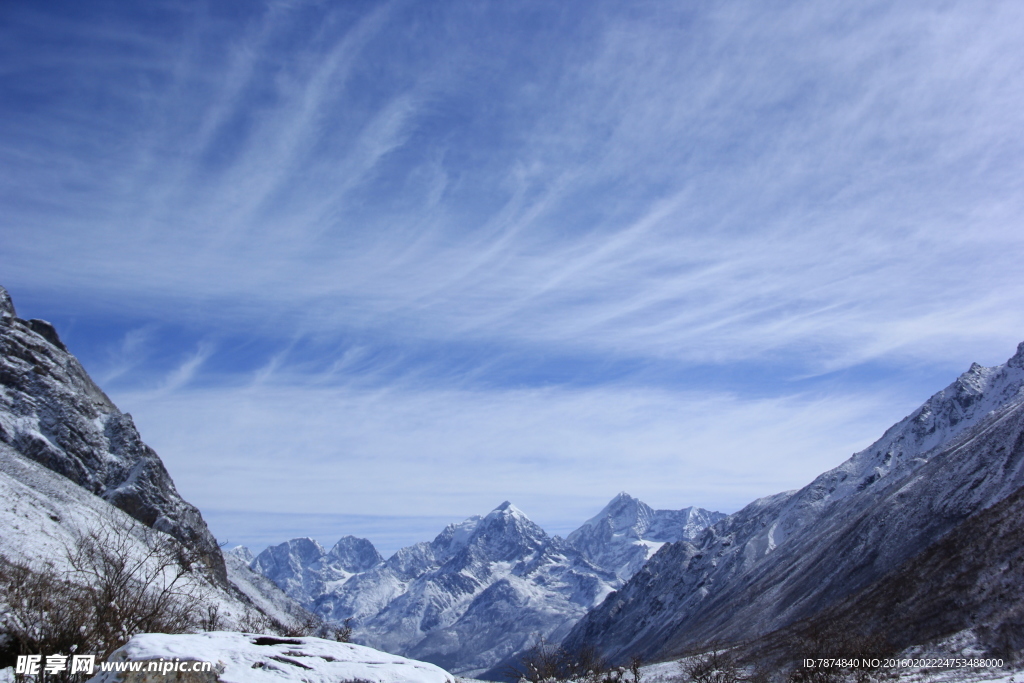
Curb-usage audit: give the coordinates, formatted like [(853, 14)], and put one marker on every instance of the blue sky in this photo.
[(369, 267)]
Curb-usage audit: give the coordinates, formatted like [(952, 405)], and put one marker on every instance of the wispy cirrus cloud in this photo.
[(728, 180)]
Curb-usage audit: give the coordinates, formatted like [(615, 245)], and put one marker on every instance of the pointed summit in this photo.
[(621, 500), (507, 509), (354, 554), (623, 513)]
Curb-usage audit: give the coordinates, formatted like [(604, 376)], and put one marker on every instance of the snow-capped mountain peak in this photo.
[(242, 553), (507, 534), (627, 532), (940, 421), (354, 554), (624, 514), (303, 569)]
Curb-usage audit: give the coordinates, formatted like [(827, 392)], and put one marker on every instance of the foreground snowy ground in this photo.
[(249, 658)]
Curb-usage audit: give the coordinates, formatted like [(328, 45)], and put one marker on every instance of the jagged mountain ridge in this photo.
[(493, 583), (484, 588), (776, 561), (304, 570)]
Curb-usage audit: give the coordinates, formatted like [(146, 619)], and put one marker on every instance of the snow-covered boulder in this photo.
[(251, 658)]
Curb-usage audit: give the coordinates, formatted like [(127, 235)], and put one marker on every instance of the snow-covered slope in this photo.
[(963, 592), (788, 556), (485, 588), (250, 658), (261, 597), (43, 514)]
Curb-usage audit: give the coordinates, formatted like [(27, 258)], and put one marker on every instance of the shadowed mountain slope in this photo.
[(790, 556)]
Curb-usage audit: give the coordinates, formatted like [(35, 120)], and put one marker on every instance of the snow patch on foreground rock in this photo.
[(250, 658)]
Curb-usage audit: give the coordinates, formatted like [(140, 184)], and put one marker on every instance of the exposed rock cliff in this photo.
[(54, 414)]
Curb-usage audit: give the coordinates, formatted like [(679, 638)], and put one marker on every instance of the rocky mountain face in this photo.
[(785, 559), (484, 589), (72, 464), (52, 412)]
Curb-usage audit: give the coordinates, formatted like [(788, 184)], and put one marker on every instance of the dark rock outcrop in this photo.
[(53, 413)]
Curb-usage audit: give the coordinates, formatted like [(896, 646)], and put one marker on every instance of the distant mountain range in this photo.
[(484, 589), (865, 548)]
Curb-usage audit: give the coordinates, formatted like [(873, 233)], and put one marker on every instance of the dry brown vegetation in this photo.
[(117, 581)]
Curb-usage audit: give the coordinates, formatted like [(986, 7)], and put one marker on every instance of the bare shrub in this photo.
[(314, 625), (132, 591), (119, 580), (541, 662), (714, 666), (587, 664), (211, 619), (545, 662), (342, 633), (759, 674), (635, 662), (256, 622), (43, 611)]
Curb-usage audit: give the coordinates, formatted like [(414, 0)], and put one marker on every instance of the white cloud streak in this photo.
[(181, 376)]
